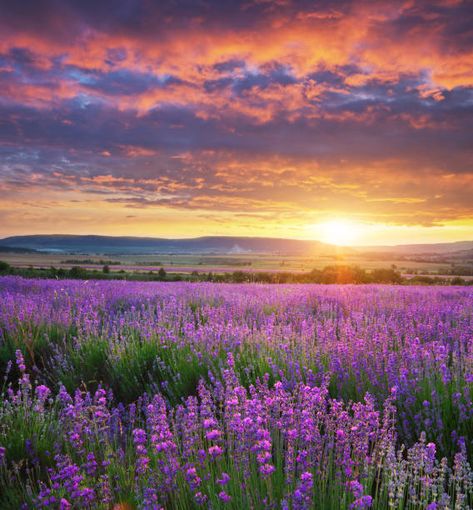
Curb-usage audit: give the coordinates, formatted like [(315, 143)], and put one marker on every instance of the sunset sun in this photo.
[(341, 232)]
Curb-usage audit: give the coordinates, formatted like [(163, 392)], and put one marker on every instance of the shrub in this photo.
[(4, 267)]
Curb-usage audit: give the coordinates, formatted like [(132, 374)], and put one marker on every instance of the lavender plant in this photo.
[(143, 395)]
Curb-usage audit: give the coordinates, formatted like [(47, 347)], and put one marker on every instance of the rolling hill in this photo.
[(147, 245), (95, 244)]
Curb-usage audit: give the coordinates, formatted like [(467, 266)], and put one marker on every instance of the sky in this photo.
[(347, 121)]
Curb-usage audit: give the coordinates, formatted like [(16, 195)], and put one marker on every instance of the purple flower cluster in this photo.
[(324, 449)]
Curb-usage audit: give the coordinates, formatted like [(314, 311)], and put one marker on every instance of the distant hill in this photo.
[(110, 245), (89, 244), (420, 249), (15, 249)]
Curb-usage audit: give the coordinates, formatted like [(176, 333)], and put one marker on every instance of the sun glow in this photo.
[(338, 231)]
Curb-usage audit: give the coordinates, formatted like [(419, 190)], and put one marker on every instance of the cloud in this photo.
[(255, 106)]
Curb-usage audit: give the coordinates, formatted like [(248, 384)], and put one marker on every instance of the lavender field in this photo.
[(146, 395)]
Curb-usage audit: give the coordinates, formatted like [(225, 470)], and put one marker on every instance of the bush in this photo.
[(386, 276), (77, 272), (4, 266)]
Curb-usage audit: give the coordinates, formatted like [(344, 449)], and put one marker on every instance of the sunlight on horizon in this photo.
[(339, 231), (342, 231)]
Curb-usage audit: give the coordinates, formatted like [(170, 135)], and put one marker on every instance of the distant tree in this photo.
[(4, 267), (106, 269), (77, 272), (422, 280), (239, 276), (384, 275), (350, 274), (162, 273), (280, 278)]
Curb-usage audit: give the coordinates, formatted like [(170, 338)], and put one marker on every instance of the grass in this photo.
[(140, 365)]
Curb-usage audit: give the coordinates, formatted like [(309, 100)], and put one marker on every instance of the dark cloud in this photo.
[(122, 82)]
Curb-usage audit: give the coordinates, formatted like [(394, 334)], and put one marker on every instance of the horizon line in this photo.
[(241, 237)]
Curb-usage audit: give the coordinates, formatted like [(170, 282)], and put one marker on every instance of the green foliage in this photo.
[(36, 341), (386, 276), (332, 274), (4, 267), (77, 272), (87, 365), (148, 366), (30, 436)]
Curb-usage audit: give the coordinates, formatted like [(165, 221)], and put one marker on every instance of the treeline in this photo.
[(100, 262), (330, 274), (461, 271), (333, 274), (82, 273)]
